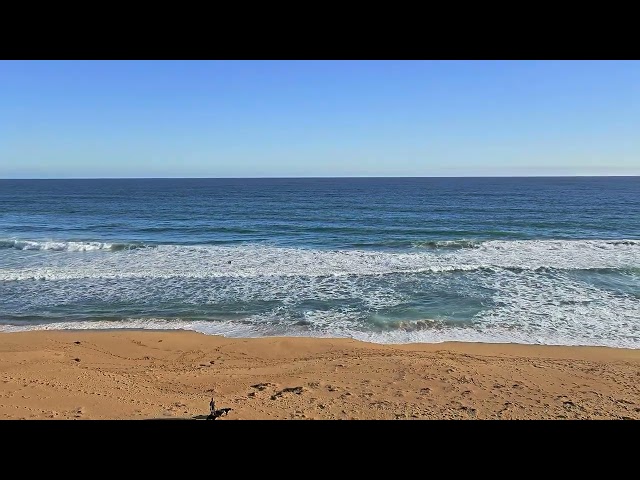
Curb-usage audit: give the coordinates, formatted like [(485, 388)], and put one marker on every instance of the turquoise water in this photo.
[(527, 260)]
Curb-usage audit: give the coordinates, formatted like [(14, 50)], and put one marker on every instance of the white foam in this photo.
[(56, 246), (252, 261), (246, 330), (523, 305), (212, 328), (550, 308)]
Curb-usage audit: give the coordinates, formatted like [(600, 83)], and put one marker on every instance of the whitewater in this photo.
[(546, 261)]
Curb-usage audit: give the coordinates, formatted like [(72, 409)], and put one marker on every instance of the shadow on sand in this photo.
[(214, 414)]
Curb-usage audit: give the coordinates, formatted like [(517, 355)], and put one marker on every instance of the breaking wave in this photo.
[(211, 261), (69, 246), (524, 291)]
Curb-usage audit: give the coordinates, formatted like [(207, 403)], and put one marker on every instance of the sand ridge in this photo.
[(130, 374)]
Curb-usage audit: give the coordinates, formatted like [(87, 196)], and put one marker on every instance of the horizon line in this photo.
[(316, 177)]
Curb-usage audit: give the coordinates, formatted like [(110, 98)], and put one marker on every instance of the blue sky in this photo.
[(76, 119)]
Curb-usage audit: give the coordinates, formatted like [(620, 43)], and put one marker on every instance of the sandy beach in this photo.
[(174, 374)]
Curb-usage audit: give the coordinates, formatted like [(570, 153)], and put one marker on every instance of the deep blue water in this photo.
[(528, 260)]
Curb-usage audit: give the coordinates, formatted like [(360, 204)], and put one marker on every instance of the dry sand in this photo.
[(158, 374)]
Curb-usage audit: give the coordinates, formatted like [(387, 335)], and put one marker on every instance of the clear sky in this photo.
[(75, 119)]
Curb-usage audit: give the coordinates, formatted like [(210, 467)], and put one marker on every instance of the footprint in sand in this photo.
[(295, 390), (260, 387)]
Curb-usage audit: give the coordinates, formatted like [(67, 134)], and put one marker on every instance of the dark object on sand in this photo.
[(216, 413)]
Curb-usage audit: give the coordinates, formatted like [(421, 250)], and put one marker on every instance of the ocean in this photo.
[(541, 260)]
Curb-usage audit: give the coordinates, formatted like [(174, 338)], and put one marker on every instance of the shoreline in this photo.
[(143, 374), (292, 337)]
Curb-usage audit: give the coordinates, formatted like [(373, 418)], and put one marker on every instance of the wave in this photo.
[(212, 261), (463, 243), (67, 246), (448, 244), (525, 291)]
